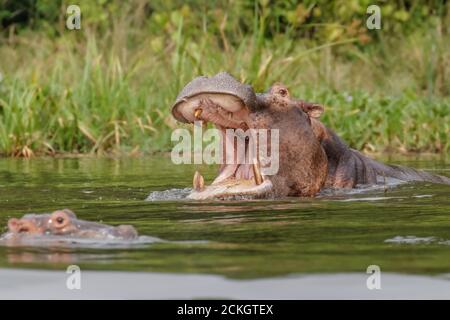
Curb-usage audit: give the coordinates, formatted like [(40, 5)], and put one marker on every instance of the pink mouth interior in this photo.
[(236, 176), (235, 170), (224, 119)]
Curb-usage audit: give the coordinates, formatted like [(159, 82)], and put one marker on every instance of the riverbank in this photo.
[(407, 155), (108, 87)]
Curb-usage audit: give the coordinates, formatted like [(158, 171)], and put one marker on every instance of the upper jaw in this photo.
[(184, 110), (222, 88)]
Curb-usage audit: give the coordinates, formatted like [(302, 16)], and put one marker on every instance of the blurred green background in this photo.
[(108, 88)]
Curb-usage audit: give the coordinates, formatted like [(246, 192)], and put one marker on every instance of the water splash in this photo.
[(180, 194), (22, 240), (169, 195), (417, 240), (389, 183), (369, 199)]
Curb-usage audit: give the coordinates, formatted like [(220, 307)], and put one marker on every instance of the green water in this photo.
[(245, 239)]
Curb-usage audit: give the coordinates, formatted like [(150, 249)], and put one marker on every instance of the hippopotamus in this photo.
[(65, 223), (311, 156)]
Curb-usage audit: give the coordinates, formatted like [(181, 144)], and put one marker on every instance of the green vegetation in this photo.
[(109, 86)]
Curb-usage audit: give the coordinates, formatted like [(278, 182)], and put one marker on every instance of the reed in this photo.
[(110, 91)]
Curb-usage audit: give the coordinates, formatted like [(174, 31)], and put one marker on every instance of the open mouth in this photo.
[(240, 171)]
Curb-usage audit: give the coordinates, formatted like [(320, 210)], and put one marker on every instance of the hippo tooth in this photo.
[(198, 182), (256, 172), (198, 113)]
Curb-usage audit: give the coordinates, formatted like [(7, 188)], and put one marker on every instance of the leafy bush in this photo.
[(109, 86)]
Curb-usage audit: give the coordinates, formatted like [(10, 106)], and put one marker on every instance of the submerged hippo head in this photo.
[(302, 163), (65, 223)]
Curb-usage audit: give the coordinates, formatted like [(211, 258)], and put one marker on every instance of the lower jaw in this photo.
[(233, 189), (243, 181)]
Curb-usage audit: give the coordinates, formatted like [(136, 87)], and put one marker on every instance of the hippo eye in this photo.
[(59, 219), (283, 92)]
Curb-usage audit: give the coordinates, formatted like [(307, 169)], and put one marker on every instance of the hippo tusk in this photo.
[(198, 182), (198, 113), (257, 172)]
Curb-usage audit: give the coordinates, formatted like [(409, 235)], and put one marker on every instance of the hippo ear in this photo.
[(314, 110), (13, 225), (279, 89), (70, 213), (127, 231)]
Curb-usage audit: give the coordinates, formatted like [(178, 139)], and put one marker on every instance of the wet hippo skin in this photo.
[(348, 167)]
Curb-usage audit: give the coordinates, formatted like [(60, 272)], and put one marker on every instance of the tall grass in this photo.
[(92, 91)]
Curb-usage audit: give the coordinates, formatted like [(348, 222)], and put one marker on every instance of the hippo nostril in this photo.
[(21, 226), (23, 229)]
